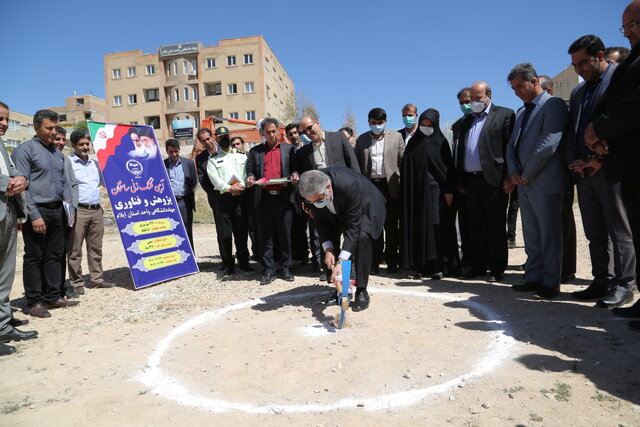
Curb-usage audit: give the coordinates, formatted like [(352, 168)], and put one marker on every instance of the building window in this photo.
[(194, 68), (79, 102), (249, 87), (232, 88), (248, 58), (133, 123), (30, 128), (115, 73), (186, 93), (131, 72), (87, 116), (251, 115), (62, 117), (117, 101), (151, 95), (231, 60), (211, 62), (151, 69), (153, 121), (14, 125), (176, 95), (233, 115), (195, 94), (184, 67), (268, 92), (214, 88), (133, 99), (175, 68)]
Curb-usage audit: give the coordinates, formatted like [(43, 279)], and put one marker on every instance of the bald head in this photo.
[(311, 128), (480, 89), (630, 24)]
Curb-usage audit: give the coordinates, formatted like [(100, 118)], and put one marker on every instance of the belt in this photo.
[(474, 173), (90, 207), (180, 197), (378, 179), (273, 192), (50, 205)]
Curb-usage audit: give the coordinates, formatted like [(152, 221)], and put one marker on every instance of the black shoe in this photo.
[(438, 276), (315, 266), (6, 350), (497, 277), (221, 267), (635, 324), (303, 261), (244, 266), (392, 269), (568, 278), (619, 296), (546, 292), (473, 273), (228, 271), (70, 293), (17, 322), (375, 270), (267, 278), (633, 311), (332, 300), (361, 302), (527, 287), (596, 290), (18, 335), (287, 276), (511, 243), (323, 276)]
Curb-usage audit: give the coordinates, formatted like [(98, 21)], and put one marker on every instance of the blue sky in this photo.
[(339, 53)]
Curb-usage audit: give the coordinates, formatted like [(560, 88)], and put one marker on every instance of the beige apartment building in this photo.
[(20, 129), (240, 78), (78, 108)]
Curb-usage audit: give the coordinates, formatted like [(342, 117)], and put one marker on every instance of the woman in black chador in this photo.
[(428, 236)]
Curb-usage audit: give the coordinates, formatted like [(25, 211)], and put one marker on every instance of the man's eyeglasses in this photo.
[(308, 128), (630, 26)]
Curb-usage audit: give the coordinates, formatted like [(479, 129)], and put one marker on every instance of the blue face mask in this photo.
[(322, 203), (466, 109), (377, 129), (409, 121), (305, 139)]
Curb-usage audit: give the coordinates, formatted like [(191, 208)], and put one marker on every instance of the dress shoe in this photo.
[(618, 297), (70, 293), (437, 276), (315, 266), (568, 278), (244, 266), (527, 287), (511, 243), (287, 276), (323, 276), (39, 310), (303, 261), (6, 350), (267, 278), (473, 273), (361, 302), (633, 311), (497, 277), (635, 324), (18, 335), (17, 322), (375, 269), (392, 269), (103, 285), (331, 300), (228, 272), (596, 290), (61, 303), (221, 267), (546, 292)]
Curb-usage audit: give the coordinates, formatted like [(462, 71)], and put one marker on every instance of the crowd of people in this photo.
[(433, 202)]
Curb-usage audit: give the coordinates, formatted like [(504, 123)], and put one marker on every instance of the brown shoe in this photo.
[(79, 290), (102, 285), (62, 303), (39, 310)]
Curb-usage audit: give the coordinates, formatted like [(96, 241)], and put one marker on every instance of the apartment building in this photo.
[(20, 129), (240, 78), (78, 108)]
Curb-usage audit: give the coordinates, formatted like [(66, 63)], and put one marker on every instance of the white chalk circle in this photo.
[(160, 383)]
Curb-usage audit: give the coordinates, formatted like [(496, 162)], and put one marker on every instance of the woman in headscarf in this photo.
[(428, 236)]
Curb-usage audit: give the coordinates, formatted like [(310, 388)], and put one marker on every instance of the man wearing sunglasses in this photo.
[(344, 202)]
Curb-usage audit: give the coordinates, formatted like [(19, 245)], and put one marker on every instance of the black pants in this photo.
[(362, 257), (299, 239), (273, 214), (386, 246), (459, 206), (486, 212), (232, 223), (568, 235), (44, 261), (512, 215), (186, 212), (630, 192)]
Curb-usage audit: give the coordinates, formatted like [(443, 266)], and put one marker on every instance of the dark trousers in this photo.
[(186, 212), (314, 243), (459, 206), (486, 213), (568, 234), (361, 257), (299, 239), (232, 223), (630, 192), (43, 262), (273, 214), (512, 215), (386, 246)]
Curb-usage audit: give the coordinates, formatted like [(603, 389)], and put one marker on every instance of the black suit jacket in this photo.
[(190, 179), (617, 120), (359, 207), (202, 160), (492, 143), (255, 168), (339, 152)]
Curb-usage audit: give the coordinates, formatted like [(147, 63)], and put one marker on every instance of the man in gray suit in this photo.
[(12, 209), (536, 165), (379, 152), (604, 216)]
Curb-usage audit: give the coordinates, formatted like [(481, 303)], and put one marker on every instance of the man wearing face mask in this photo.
[(345, 202), (410, 120), (379, 152), (483, 176)]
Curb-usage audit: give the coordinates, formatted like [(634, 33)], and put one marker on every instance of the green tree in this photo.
[(82, 125)]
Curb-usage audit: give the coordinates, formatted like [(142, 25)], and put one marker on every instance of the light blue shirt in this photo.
[(89, 180), (472, 151), (176, 178)]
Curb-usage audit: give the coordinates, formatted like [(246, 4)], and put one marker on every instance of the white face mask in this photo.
[(427, 130), (478, 107)]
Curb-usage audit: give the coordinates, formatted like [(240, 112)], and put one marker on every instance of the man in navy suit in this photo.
[(183, 179), (535, 163)]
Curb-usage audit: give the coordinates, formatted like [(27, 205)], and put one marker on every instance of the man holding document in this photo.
[(227, 172)]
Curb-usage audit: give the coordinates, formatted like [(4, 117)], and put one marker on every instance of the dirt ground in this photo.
[(205, 351)]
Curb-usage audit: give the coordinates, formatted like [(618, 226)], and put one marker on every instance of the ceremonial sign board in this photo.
[(145, 209)]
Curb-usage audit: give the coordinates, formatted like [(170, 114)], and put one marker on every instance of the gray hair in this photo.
[(545, 82), (312, 183), (524, 70), (268, 121)]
